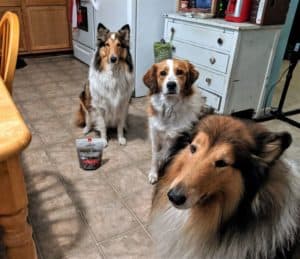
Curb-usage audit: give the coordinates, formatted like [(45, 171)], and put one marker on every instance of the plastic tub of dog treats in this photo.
[(89, 152)]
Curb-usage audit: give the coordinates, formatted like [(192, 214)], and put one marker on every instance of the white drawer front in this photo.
[(211, 81), (212, 99), (207, 37), (200, 56)]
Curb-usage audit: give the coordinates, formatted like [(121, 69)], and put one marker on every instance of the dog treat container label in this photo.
[(89, 152)]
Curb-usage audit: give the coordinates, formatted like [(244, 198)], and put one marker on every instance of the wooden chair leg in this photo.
[(13, 211), (18, 236)]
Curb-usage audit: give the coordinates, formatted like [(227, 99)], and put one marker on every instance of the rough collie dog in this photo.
[(105, 99), (175, 105), (228, 195)]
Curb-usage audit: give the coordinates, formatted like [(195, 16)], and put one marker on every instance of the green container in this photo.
[(162, 51)]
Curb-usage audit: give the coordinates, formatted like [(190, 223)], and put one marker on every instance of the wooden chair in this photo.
[(14, 138), (9, 34)]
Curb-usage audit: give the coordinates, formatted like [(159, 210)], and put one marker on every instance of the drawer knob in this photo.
[(220, 41), (208, 80), (212, 61)]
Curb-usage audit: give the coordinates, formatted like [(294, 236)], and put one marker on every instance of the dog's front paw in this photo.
[(122, 141), (86, 130), (153, 177)]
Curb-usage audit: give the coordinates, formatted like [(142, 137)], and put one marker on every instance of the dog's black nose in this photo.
[(171, 85), (176, 196), (113, 59)]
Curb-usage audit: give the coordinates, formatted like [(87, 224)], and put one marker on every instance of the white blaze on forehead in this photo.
[(171, 75), (113, 36)]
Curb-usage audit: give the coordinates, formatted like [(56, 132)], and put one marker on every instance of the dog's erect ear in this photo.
[(150, 79), (125, 35), (272, 145), (102, 32), (192, 76)]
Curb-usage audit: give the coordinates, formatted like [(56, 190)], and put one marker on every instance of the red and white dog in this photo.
[(175, 105)]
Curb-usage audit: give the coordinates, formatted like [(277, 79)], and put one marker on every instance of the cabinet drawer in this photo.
[(10, 3), (45, 2), (211, 81), (200, 56), (222, 40), (212, 99)]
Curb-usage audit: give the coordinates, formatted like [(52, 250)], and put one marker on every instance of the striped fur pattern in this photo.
[(228, 194), (105, 99)]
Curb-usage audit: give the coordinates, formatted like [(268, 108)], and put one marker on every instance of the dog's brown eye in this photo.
[(106, 44), (220, 163), (193, 149), (179, 72), (163, 73), (118, 45)]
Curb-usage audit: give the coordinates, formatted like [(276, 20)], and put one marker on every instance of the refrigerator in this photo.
[(146, 20)]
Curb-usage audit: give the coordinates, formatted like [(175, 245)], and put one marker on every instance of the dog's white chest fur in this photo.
[(173, 116), (110, 90)]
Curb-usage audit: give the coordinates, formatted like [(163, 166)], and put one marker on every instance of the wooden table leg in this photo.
[(13, 211)]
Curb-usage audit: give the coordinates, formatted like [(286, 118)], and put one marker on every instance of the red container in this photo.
[(238, 10)]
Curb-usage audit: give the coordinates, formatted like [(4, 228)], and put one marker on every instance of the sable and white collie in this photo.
[(175, 105), (105, 99), (228, 195)]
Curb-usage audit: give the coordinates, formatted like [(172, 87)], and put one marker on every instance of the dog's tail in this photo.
[(80, 117), (85, 103)]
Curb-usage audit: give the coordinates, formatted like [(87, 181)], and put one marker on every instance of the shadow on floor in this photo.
[(58, 227)]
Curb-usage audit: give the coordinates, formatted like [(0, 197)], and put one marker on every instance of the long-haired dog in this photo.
[(105, 99), (228, 195), (175, 105)]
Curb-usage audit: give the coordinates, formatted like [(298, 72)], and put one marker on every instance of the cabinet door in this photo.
[(48, 28), (17, 10)]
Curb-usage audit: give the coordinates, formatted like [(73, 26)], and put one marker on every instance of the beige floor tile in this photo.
[(79, 252), (140, 202), (35, 143), (109, 220), (132, 245), (52, 131), (90, 191), (127, 180), (62, 105), (36, 110), (145, 166), (21, 94), (72, 88), (138, 150), (65, 237), (35, 160), (51, 90), (58, 75), (39, 79)]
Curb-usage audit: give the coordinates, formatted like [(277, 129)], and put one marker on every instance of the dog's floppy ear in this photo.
[(102, 32), (150, 79), (272, 145), (125, 35), (192, 76)]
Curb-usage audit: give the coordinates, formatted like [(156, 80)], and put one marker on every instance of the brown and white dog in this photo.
[(105, 99), (229, 195), (175, 105)]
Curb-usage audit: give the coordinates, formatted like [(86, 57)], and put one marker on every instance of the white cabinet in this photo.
[(234, 60)]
